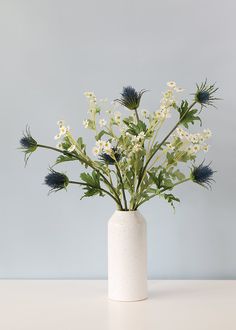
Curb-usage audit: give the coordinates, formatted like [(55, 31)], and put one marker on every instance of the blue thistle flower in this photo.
[(202, 175), (108, 159), (28, 144), (130, 97), (205, 94), (56, 181)]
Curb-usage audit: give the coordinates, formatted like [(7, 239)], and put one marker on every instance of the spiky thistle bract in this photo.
[(28, 144), (203, 175), (130, 97), (110, 159), (56, 180), (205, 94)]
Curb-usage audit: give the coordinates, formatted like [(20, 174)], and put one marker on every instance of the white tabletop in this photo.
[(83, 305)]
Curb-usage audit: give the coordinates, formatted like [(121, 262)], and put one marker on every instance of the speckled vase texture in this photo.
[(127, 256)]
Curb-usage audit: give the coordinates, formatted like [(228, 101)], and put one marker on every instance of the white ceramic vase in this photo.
[(127, 256)]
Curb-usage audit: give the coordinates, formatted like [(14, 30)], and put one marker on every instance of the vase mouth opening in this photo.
[(127, 211)]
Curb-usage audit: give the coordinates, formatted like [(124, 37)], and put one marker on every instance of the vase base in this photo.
[(127, 299)]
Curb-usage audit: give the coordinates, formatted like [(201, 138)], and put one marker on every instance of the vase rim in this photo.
[(124, 211)]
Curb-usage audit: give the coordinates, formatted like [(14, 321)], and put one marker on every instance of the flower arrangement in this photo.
[(130, 163)]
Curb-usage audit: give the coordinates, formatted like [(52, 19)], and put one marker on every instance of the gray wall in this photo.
[(54, 50)]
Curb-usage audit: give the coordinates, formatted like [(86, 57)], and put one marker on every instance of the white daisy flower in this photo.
[(89, 95), (207, 133), (86, 123), (137, 147), (190, 150), (107, 146), (60, 123), (196, 148), (205, 148), (58, 136), (63, 130), (141, 135), (117, 117), (170, 146), (127, 134), (95, 151), (100, 144), (102, 122), (72, 148), (171, 84), (178, 89), (59, 146), (134, 139), (194, 138)]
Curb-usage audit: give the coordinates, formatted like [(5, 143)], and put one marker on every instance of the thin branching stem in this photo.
[(137, 116), (122, 186), (143, 171), (102, 189), (161, 191), (105, 180)]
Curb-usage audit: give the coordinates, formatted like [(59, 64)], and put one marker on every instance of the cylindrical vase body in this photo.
[(127, 256)]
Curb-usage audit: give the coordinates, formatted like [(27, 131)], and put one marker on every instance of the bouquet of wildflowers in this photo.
[(129, 161)]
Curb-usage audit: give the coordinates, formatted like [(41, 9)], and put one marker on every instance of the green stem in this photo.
[(142, 173), (106, 181), (102, 189), (176, 184), (137, 116), (122, 186)]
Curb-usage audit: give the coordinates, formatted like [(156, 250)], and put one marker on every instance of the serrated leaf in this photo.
[(135, 129), (62, 159), (187, 117), (93, 184), (170, 198)]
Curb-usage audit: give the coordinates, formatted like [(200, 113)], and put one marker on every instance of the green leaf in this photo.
[(81, 145), (135, 129), (187, 118), (179, 175), (100, 135), (92, 179), (170, 198), (62, 159), (93, 184), (170, 158)]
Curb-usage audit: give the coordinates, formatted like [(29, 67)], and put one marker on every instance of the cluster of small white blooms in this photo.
[(197, 140), (102, 122), (136, 143), (168, 100), (170, 146), (91, 97), (92, 101), (86, 123), (62, 130), (136, 148), (102, 146), (117, 117), (172, 85), (139, 138)]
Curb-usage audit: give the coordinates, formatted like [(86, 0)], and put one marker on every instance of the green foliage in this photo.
[(135, 129), (92, 186), (64, 158), (187, 117), (147, 161), (170, 198), (81, 145)]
